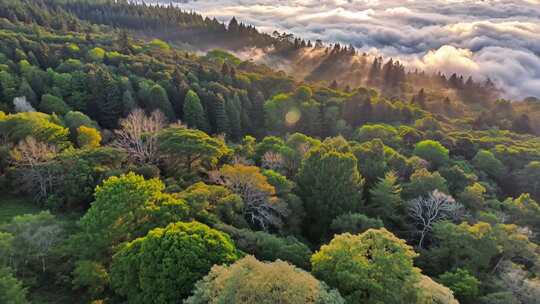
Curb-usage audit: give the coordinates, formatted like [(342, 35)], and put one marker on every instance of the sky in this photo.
[(495, 38)]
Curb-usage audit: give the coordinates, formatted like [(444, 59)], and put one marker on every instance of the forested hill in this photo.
[(134, 170)]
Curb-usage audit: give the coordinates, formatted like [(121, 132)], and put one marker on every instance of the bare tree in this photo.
[(273, 161), (31, 158), (261, 207), (22, 105), (137, 135), (524, 287), (426, 211)]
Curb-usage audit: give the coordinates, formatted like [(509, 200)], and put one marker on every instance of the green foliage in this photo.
[(423, 182), (11, 289), (91, 276), (432, 151), (385, 200), (372, 267), (163, 266), (388, 134), (194, 114), (464, 285), (268, 247), (158, 100), (330, 185), (107, 224), (354, 223), (250, 281), (96, 54), (488, 163), (41, 126), (190, 148)]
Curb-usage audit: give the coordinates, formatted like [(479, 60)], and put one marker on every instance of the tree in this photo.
[(194, 114), (11, 289), (105, 100), (51, 104), (529, 179), (261, 208), (268, 247), (233, 109), (354, 223), (31, 158), (159, 101), (138, 136), (426, 211), (432, 151), (88, 137), (464, 285), (35, 237), (250, 281), (423, 182), (385, 199), (487, 162), (91, 276), (434, 293), (372, 267), (163, 266), (187, 148), (107, 224), (330, 185)]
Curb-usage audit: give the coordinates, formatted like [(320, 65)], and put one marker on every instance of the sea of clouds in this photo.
[(491, 38)]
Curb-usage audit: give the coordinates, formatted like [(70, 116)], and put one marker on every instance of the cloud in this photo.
[(495, 38)]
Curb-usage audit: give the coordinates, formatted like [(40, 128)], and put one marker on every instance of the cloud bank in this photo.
[(483, 38)]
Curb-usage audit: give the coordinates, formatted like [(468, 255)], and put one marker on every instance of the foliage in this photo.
[(11, 289), (432, 151), (330, 185), (464, 285), (251, 281), (372, 267), (88, 137), (163, 266), (107, 224), (269, 247)]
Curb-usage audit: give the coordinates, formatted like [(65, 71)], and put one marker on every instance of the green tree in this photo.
[(163, 266), (423, 182), (372, 267), (91, 276), (330, 185), (158, 100), (107, 224), (487, 162), (354, 223), (51, 104), (194, 114), (268, 247), (11, 289), (464, 285), (432, 151), (187, 148), (250, 281), (385, 200), (529, 179), (233, 108)]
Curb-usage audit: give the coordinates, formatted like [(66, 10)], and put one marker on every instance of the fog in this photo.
[(491, 38)]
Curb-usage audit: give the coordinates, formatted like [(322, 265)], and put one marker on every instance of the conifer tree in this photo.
[(194, 115)]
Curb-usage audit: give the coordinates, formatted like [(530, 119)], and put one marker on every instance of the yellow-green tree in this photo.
[(372, 267)]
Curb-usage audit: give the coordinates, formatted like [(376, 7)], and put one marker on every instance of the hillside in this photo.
[(139, 162)]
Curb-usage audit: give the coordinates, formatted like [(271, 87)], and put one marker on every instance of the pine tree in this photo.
[(26, 90), (158, 100), (221, 122), (233, 109), (194, 115), (385, 199)]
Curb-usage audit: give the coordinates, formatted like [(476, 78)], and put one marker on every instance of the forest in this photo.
[(143, 161)]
